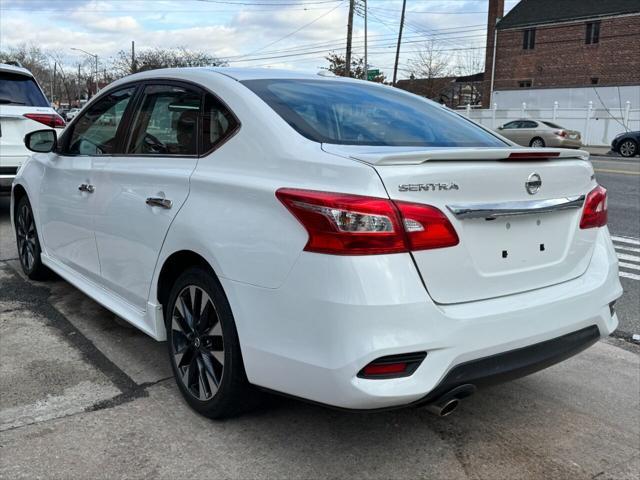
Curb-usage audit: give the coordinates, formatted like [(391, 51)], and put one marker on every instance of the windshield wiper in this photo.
[(5, 101)]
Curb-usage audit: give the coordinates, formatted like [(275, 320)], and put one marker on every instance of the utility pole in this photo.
[(97, 84), (366, 63), (133, 56), (395, 66), (347, 60), (53, 85)]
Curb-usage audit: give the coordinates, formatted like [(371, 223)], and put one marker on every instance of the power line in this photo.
[(298, 29)]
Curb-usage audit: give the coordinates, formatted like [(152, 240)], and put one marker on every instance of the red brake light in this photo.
[(426, 227), (560, 133), (49, 119), (594, 213), (343, 224), (532, 155)]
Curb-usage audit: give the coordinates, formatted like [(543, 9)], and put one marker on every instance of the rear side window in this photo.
[(16, 89), (552, 125), (351, 113), (166, 122), (217, 123)]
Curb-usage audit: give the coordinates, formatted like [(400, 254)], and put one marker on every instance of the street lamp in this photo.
[(95, 56)]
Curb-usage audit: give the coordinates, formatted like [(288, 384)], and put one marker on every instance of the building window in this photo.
[(592, 33), (524, 83), (529, 39), (594, 80)]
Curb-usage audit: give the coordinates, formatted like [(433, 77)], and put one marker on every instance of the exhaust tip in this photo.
[(449, 407), (444, 408)]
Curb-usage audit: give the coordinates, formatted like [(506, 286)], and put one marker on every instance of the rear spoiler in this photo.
[(469, 154)]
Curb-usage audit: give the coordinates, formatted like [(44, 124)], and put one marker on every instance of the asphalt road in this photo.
[(621, 178), (83, 395)]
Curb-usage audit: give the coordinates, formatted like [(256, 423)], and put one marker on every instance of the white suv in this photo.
[(332, 239), (23, 109)]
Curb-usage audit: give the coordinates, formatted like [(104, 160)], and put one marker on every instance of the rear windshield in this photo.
[(16, 89), (360, 114), (552, 125)]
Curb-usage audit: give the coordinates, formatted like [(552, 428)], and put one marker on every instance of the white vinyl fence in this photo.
[(598, 126)]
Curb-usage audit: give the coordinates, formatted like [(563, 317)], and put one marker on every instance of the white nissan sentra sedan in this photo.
[(335, 240)]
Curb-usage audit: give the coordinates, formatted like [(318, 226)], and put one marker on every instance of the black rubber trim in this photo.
[(513, 364), (8, 170)]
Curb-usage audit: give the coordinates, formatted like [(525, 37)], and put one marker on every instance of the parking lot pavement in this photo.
[(83, 395)]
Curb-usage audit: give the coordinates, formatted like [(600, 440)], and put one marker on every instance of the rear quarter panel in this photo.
[(232, 217)]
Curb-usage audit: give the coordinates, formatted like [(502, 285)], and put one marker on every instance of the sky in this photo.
[(291, 34)]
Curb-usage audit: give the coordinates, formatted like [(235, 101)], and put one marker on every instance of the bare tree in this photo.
[(469, 62), (468, 88), (431, 64), (431, 61), (155, 58)]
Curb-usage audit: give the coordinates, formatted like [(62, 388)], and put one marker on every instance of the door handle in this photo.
[(86, 188), (159, 202)]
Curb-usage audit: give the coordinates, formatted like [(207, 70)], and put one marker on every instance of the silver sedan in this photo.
[(540, 133)]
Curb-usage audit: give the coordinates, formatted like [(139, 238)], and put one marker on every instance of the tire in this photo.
[(204, 349), (628, 148), (537, 142), (27, 242)]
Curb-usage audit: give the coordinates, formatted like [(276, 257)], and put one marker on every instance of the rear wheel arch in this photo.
[(539, 139), (173, 266)]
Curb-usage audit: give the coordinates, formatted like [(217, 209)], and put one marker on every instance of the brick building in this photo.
[(562, 43)]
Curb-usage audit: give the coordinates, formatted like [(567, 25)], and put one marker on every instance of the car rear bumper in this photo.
[(565, 143), (334, 315), (517, 363)]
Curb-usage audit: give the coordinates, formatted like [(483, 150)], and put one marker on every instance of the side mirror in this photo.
[(41, 141), (500, 127)]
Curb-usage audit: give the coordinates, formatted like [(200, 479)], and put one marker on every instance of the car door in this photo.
[(510, 130), (67, 191), (141, 190), (526, 132)]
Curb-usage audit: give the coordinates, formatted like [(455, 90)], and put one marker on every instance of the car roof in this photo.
[(267, 73), (239, 74), (13, 69)]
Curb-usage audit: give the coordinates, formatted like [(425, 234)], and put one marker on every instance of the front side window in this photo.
[(355, 113), (95, 131), (529, 39), (166, 122), (592, 33)]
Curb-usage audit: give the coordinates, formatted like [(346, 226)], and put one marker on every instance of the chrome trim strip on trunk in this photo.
[(508, 209)]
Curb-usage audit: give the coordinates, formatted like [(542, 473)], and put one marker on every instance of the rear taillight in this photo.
[(426, 227), (560, 133), (49, 119), (594, 213), (343, 224)]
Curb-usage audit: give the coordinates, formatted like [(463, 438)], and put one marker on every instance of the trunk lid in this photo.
[(511, 240)]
